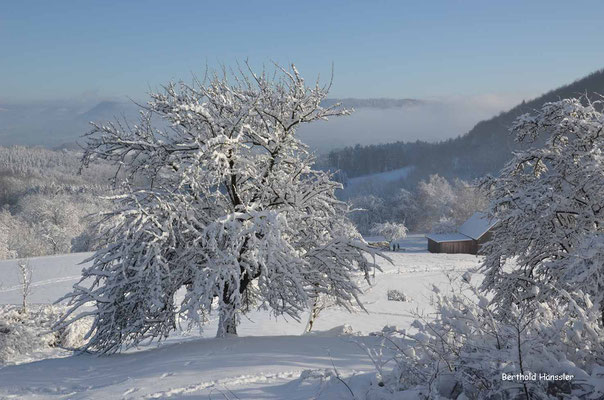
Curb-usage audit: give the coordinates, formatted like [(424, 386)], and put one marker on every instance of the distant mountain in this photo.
[(59, 124), (39, 123), (56, 123), (109, 110), (382, 103), (483, 150)]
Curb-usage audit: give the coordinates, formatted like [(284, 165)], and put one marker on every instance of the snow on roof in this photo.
[(448, 237), (476, 226)]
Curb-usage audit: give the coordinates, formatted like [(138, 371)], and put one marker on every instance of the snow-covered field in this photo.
[(270, 359)]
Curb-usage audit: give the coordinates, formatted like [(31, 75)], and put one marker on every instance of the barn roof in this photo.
[(448, 237), (476, 226)]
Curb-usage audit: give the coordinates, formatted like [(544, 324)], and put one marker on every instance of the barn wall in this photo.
[(433, 247), (462, 246)]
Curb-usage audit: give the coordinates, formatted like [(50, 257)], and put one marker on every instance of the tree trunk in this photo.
[(314, 313), (227, 324)]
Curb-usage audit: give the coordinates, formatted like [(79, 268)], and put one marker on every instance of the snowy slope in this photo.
[(374, 183), (265, 362), (52, 277)]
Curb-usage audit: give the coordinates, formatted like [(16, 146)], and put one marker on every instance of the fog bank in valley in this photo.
[(374, 121), (430, 120)]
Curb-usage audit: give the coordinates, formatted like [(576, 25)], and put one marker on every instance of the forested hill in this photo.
[(483, 150)]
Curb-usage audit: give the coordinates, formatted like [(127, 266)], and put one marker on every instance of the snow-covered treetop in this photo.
[(247, 114), (390, 230)]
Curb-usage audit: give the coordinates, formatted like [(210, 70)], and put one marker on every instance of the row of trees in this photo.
[(49, 224), (435, 205), (365, 160), (45, 206)]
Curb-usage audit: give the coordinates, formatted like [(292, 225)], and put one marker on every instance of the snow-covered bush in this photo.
[(24, 335), (227, 205), (21, 240), (45, 224), (54, 218), (464, 352), (397, 295), (73, 336)]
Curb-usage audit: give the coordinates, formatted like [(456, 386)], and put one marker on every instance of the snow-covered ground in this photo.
[(266, 361), (52, 277)]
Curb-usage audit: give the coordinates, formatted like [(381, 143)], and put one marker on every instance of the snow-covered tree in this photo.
[(391, 231), (436, 198), (406, 208), (437, 193), (25, 276), (233, 213), (545, 269), (368, 210), (55, 219), (439, 201), (5, 231), (445, 225), (469, 198), (549, 200)]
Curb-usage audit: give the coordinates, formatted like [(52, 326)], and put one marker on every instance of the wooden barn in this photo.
[(467, 239)]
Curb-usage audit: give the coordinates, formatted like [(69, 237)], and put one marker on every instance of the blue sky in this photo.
[(420, 49)]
